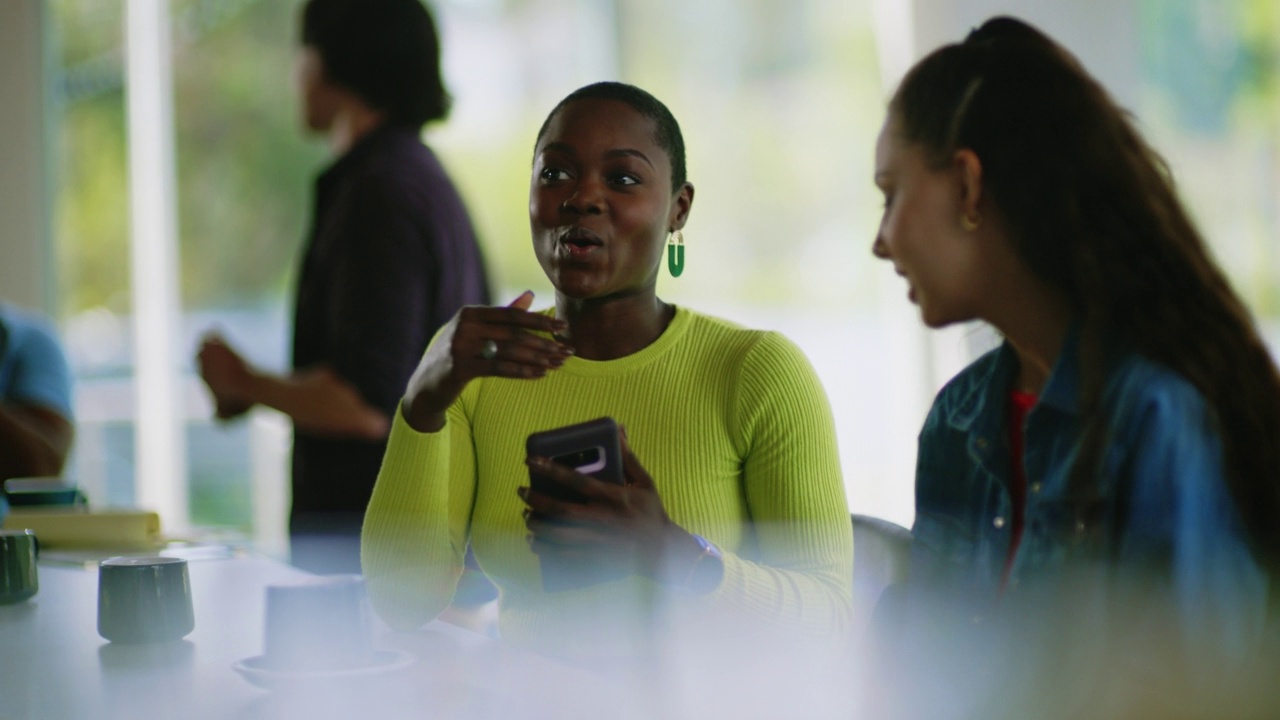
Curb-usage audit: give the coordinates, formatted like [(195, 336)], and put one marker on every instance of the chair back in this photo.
[(881, 557)]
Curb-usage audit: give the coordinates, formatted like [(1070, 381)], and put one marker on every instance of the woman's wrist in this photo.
[(690, 562), (421, 419), (707, 570)]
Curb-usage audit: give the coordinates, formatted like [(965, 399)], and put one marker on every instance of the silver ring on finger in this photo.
[(489, 350)]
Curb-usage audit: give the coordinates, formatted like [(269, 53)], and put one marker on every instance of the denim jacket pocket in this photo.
[(1079, 529)]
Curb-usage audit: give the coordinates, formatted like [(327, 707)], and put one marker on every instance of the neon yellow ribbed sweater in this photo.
[(734, 428)]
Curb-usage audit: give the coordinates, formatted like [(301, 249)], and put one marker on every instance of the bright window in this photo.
[(780, 102)]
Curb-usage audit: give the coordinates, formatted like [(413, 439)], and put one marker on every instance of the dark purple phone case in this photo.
[(560, 573), (565, 441)]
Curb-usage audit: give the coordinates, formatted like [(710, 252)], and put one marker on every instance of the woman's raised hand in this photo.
[(481, 341)]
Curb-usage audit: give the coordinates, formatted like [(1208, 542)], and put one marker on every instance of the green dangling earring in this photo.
[(675, 253)]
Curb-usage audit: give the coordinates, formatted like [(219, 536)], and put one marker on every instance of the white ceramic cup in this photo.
[(323, 623)]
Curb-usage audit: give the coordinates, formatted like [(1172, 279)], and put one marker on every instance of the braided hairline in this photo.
[(961, 112)]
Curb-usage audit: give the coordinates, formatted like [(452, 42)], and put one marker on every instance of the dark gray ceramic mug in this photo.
[(18, 576), (144, 599)]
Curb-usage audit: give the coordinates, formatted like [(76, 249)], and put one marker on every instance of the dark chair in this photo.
[(881, 557)]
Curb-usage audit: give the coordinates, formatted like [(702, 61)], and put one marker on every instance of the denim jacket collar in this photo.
[(1061, 391)]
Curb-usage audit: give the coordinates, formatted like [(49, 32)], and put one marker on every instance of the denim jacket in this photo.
[(1163, 506)]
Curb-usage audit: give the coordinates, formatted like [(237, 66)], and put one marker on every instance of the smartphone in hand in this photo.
[(592, 448)]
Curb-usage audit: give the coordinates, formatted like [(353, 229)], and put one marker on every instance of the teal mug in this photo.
[(18, 577)]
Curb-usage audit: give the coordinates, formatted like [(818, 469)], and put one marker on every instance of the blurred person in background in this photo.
[(36, 424), (1097, 524), (390, 257), (733, 509)]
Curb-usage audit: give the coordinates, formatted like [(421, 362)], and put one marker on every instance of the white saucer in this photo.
[(258, 673)]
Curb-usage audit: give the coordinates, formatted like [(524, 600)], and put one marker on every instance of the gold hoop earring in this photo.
[(970, 222)]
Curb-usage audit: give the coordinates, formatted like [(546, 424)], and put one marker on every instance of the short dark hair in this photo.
[(667, 133), (385, 51)]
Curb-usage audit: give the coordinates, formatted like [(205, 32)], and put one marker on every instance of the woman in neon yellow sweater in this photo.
[(733, 506)]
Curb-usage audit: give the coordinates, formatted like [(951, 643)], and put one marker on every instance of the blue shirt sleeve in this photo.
[(36, 367), (1182, 510)]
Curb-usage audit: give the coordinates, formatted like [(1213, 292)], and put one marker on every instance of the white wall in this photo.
[(25, 251)]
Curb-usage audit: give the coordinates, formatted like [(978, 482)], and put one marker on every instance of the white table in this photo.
[(54, 666)]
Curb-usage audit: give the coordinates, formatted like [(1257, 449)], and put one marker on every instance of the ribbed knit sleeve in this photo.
[(799, 574), (415, 529)]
